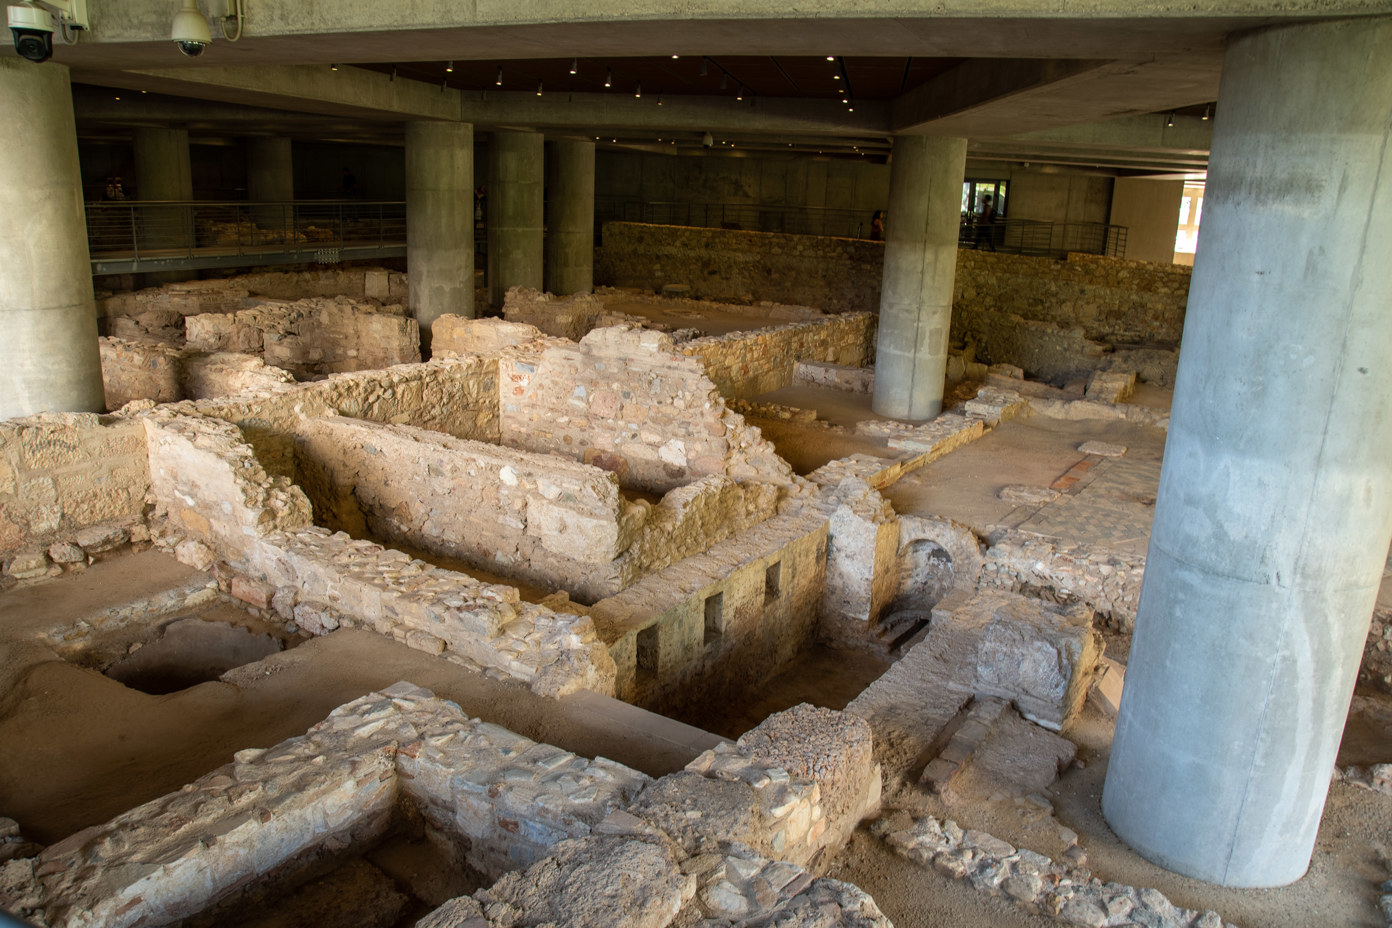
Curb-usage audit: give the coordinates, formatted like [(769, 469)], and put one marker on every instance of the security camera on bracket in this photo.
[(190, 30), (33, 23)]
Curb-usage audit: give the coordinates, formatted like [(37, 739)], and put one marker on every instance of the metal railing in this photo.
[(1043, 238), (1012, 236), (143, 235), (794, 220)]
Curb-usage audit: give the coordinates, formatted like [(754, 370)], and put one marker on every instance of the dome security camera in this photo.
[(32, 28), (190, 30)]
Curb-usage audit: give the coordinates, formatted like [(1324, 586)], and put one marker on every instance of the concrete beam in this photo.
[(1087, 95), (624, 113), (350, 30), (353, 92), (975, 83)]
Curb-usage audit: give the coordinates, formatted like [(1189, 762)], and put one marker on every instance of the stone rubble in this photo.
[(567, 840), (1107, 581), (1034, 882)]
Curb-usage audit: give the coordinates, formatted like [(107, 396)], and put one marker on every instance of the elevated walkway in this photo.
[(137, 236)]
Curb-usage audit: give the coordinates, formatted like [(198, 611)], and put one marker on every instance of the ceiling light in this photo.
[(740, 94), (574, 65), (831, 57), (836, 77), (449, 68), (538, 88), (499, 79), (659, 102), (333, 67), (676, 56), (1208, 112), (1169, 122), (639, 92), (609, 77)]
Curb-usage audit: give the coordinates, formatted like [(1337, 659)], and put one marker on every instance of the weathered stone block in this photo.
[(1040, 655)]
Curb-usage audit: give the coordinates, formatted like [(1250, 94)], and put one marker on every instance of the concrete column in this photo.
[(439, 221), (1275, 507), (570, 183), (270, 179), (48, 324), (925, 205), (163, 172), (162, 167), (515, 178)]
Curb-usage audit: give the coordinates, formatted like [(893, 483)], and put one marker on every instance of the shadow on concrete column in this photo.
[(925, 205), (1275, 504), (439, 221), (570, 184), (270, 180), (515, 179), (48, 353)]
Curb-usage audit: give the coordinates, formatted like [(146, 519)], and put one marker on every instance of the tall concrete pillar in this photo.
[(270, 174), (439, 221), (515, 178), (1275, 506), (162, 167), (570, 183), (48, 323), (925, 205), (163, 172)]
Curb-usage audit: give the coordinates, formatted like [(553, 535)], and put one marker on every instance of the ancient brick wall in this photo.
[(312, 337), (1112, 300), (529, 517), (165, 373), (621, 400), (458, 397), (700, 628), (63, 472), (833, 274), (211, 492), (118, 311), (745, 364)]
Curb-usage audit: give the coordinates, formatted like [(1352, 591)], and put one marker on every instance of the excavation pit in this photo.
[(191, 651)]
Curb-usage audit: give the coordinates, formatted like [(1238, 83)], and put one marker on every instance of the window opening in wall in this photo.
[(773, 581), (1187, 230), (647, 652), (715, 617)]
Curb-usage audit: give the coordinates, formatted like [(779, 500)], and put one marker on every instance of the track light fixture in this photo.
[(831, 57), (498, 81), (1169, 121), (1208, 112), (609, 77), (574, 65), (739, 95), (639, 92), (449, 67), (538, 88), (333, 67)]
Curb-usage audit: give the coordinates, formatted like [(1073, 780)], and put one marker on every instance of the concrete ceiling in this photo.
[(948, 69)]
